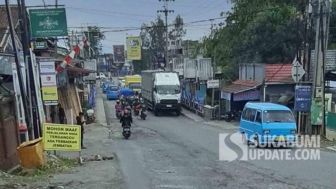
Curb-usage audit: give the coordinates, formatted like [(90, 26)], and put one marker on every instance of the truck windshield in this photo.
[(283, 116), (168, 89), (135, 85)]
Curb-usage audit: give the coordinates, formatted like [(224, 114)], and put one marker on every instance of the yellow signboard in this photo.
[(50, 95), (133, 48), (61, 137)]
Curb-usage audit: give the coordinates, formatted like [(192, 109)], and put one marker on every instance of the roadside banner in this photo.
[(133, 45), (48, 22), (61, 137)]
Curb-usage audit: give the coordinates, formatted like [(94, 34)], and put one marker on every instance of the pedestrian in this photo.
[(61, 114), (81, 121)]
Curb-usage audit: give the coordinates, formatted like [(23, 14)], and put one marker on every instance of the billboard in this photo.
[(133, 45), (48, 22), (119, 53)]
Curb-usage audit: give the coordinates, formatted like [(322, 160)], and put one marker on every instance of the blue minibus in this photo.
[(264, 124)]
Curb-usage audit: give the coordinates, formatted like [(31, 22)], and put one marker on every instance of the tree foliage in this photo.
[(153, 41), (264, 31), (332, 30), (94, 36)]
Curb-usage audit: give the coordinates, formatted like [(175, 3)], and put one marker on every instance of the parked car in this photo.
[(267, 124), (112, 92), (106, 85)]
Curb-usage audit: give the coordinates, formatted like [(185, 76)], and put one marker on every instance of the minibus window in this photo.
[(258, 117), (283, 116)]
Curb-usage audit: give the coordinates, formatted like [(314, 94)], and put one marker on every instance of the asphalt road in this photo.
[(176, 152)]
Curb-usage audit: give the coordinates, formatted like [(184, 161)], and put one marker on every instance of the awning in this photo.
[(78, 71), (252, 94), (241, 90), (241, 86)]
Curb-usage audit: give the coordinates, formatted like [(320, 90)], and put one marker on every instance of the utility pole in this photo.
[(322, 8), (165, 10), (18, 66)]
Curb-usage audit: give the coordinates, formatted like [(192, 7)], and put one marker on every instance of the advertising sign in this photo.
[(211, 84), (119, 53), (48, 80), (47, 67), (133, 45), (48, 22), (40, 45), (61, 137), (91, 65), (303, 96), (50, 95)]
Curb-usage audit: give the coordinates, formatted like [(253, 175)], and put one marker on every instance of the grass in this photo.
[(53, 166)]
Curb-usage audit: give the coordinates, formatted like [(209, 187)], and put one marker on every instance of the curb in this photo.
[(191, 117)]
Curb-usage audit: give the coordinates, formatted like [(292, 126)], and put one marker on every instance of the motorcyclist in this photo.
[(118, 108), (126, 118), (136, 102)]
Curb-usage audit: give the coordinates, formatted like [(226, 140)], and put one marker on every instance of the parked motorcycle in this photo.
[(90, 116), (232, 116)]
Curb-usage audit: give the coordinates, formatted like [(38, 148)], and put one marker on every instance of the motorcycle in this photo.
[(137, 109), (126, 131), (229, 116), (143, 113), (118, 114), (90, 117)]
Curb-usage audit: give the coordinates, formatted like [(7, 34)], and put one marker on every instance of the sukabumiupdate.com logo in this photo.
[(235, 147)]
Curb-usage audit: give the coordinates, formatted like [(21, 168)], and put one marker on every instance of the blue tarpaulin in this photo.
[(126, 92)]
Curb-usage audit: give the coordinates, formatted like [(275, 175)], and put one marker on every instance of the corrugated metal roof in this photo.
[(240, 86), (278, 73)]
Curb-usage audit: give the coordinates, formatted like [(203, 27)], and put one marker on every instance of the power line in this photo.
[(109, 12), (135, 28)]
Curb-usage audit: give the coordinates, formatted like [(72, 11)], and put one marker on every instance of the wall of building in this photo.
[(252, 72)]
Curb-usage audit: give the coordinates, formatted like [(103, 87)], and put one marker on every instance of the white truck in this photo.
[(161, 91)]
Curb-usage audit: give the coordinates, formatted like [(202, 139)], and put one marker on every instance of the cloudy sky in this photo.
[(118, 14)]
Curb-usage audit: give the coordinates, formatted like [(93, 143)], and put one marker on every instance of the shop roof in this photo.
[(240, 86), (278, 73)]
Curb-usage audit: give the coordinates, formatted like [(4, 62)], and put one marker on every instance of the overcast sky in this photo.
[(115, 14)]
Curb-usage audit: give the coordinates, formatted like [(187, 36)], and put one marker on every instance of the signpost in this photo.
[(297, 71), (212, 84), (303, 97), (61, 137), (48, 82), (48, 22)]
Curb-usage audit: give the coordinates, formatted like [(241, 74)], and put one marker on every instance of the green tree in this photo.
[(177, 32), (94, 36), (332, 30), (265, 31)]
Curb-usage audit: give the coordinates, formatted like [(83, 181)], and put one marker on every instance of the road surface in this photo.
[(176, 152)]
